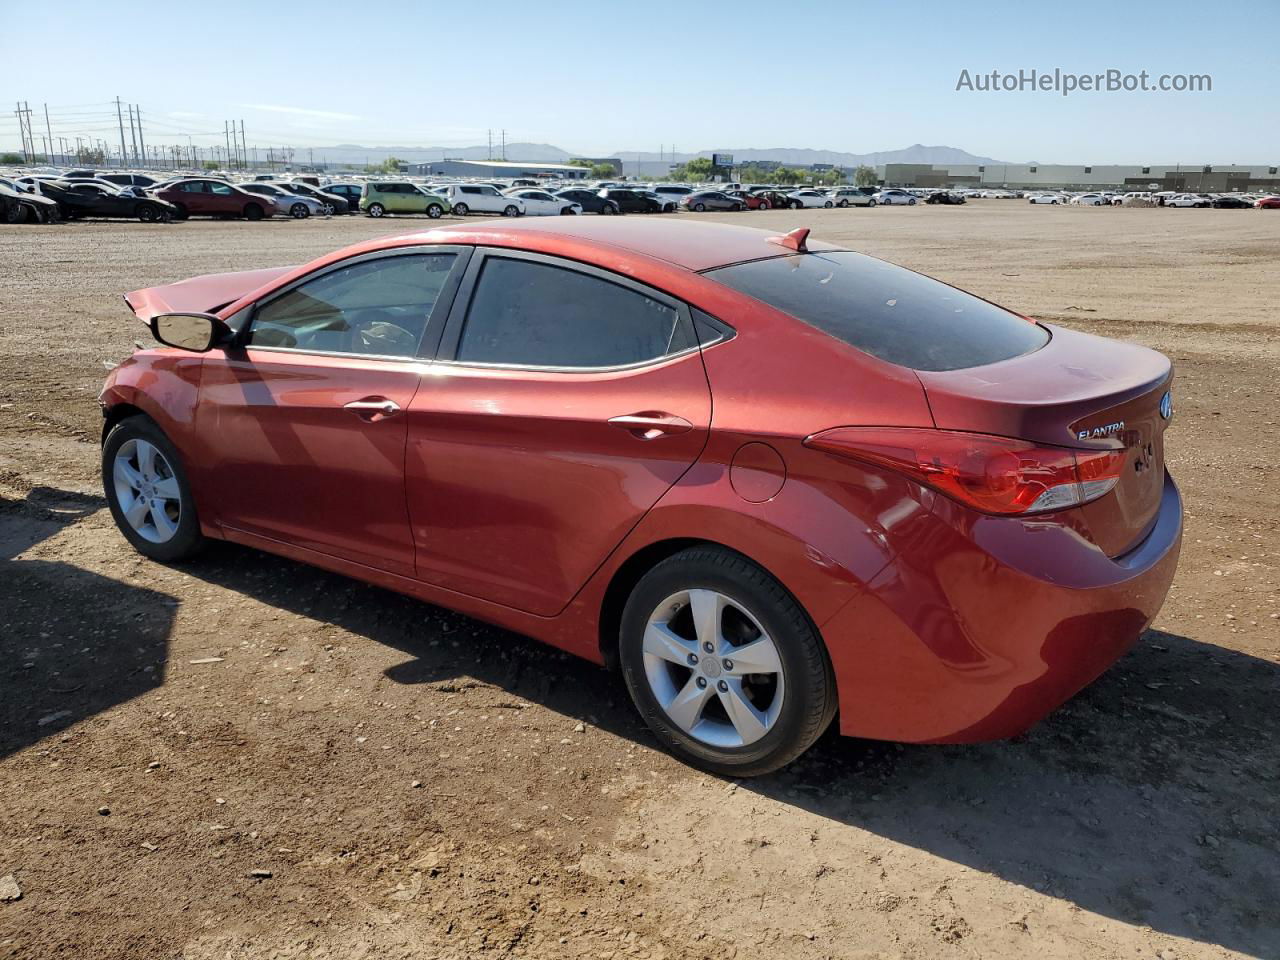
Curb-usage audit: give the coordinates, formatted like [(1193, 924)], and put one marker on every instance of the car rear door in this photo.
[(564, 402), (303, 419)]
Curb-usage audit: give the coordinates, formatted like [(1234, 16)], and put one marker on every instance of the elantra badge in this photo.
[(1166, 405), (1104, 431)]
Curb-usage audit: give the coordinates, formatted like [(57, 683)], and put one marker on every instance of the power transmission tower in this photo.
[(244, 147)]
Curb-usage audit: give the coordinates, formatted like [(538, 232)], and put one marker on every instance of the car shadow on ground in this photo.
[(72, 643), (1151, 798)]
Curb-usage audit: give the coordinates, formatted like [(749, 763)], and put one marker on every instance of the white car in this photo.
[(1044, 198), (1188, 200), (810, 198), (539, 203), (889, 197), (481, 198), (850, 197), (1089, 200)]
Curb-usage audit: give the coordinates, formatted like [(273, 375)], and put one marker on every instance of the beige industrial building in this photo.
[(1206, 178)]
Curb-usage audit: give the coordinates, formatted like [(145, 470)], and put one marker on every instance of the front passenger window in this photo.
[(377, 308)]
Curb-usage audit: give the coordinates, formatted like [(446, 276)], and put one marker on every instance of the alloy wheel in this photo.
[(147, 490), (713, 669)]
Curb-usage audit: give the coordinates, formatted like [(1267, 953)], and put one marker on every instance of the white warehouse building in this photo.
[(1203, 178)]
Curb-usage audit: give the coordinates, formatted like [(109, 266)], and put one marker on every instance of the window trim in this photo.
[(431, 330), (447, 351)]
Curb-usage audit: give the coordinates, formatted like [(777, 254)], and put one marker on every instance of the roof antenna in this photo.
[(795, 240)]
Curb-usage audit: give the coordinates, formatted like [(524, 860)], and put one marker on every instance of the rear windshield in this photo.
[(889, 312)]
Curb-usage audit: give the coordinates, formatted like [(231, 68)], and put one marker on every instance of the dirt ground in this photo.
[(419, 785)]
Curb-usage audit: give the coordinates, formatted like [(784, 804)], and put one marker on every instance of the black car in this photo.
[(349, 192), (630, 201), (590, 200), (17, 206), (337, 203), (96, 200), (1232, 203), (945, 197)]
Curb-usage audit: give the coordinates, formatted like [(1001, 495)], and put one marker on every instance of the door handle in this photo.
[(372, 409), (650, 425)]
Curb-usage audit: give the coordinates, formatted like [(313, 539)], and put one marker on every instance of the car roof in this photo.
[(694, 246)]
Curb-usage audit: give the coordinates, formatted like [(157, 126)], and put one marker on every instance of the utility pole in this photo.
[(226, 140), (141, 141), (120, 121), (489, 155), (133, 134), (244, 148), (504, 146)]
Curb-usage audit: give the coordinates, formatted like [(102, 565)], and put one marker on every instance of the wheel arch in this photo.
[(116, 413), (644, 559)]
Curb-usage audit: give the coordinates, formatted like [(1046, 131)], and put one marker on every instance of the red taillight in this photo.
[(992, 474)]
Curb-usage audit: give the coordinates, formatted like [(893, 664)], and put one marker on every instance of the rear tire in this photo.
[(182, 213), (699, 207), (827, 205), (460, 209), (376, 210), (144, 533), (15, 213), (792, 698)]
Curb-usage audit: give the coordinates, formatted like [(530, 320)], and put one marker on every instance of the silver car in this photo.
[(287, 204)]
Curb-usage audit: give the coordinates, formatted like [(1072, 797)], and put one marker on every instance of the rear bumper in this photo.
[(985, 627)]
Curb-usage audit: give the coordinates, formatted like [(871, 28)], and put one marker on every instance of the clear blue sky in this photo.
[(842, 76)]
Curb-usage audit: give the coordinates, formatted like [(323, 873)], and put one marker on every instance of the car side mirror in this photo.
[(196, 332)]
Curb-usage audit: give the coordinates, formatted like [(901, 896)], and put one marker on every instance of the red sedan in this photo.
[(214, 198), (1268, 203), (765, 477)]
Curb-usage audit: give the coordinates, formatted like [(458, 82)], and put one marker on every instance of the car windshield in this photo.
[(885, 310)]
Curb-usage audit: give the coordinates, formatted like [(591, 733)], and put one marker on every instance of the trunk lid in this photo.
[(1076, 391), (206, 294)]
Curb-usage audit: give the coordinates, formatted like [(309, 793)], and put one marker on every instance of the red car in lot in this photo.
[(1268, 203), (765, 477), (752, 201), (200, 197)]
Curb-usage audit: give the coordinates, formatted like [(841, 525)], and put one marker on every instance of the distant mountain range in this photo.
[(649, 162)]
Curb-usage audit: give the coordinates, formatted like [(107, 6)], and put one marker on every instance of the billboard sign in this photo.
[(722, 159)]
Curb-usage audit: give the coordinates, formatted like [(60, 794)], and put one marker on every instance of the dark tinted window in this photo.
[(535, 314), (377, 307), (889, 312)]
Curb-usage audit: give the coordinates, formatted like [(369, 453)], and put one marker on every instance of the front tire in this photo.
[(299, 211), (147, 490), (724, 665), (699, 207), (511, 210), (253, 212), (435, 211)]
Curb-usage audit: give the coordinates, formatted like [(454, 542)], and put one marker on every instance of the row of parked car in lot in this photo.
[(1166, 198), (40, 197)]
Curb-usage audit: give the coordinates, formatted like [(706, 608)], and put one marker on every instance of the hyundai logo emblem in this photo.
[(1166, 405)]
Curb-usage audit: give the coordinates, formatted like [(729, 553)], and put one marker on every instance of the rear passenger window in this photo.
[(534, 314)]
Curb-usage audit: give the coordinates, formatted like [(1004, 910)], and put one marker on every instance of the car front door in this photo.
[(304, 418), (565, 401)]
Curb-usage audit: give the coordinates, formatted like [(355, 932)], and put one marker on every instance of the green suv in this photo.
[(381, 197)]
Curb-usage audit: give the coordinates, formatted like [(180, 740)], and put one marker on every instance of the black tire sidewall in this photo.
[(188, 540), (809, 700)]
